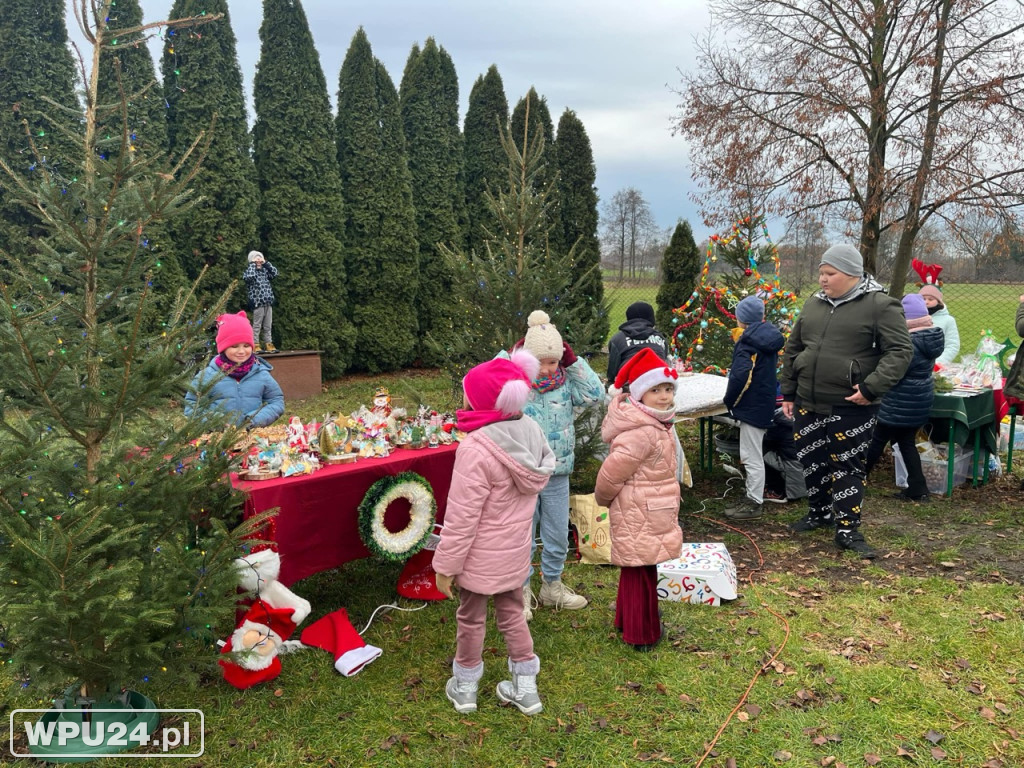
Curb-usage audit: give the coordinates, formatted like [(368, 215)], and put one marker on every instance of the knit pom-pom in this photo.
[(526, 361), (513, 397), (537, 317)]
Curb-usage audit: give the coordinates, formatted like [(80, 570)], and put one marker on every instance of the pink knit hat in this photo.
[(233, 329), (933, 291), (498, 389)]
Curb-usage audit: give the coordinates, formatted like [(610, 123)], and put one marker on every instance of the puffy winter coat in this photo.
[(909, 403), (633, 336), (256, 400), (947, 323), (488, 524), (637, 482), (753, 384), (837, 344), (1015, 378), (553, 411), (258, 282)]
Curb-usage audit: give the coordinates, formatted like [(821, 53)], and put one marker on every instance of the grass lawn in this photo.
[(914, 658)]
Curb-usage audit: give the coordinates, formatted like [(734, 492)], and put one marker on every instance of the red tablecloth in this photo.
[(317, 528)]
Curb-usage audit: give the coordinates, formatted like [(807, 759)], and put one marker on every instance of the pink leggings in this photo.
[(472, 619)]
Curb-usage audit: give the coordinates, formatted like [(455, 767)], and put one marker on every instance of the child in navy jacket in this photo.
[(750, 398)]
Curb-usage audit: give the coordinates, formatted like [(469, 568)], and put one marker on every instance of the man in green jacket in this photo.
[(849, 346)]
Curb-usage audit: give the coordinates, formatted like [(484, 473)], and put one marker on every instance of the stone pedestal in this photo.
[(297, 372)]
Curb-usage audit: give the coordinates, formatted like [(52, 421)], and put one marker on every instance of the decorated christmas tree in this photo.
[(736, 265), (115, 548)]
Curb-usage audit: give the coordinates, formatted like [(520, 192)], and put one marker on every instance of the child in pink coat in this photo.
[(500, 467), (637, 482)]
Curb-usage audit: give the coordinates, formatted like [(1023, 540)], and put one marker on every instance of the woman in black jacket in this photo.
[(905, 408)]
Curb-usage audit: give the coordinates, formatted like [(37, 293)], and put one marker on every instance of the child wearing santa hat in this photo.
[(637, 482), (500, 467), (236, 386)]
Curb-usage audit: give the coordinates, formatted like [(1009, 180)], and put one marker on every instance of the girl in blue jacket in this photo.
[(236, 386)]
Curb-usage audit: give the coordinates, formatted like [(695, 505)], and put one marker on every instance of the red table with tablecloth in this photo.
[(317, 527)]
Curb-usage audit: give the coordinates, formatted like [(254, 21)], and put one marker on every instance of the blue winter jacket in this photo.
[(553, 410), (909, 402), (255, 401), (750, 393)]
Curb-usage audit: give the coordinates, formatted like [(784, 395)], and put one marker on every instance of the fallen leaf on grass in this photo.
[(934, 737), (904, 752), (938, 753), (872, 759), (742, 717), (987, 713), (976, 688), (753, 709), (782, 755)]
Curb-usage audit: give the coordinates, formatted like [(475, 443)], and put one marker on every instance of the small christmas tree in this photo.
[(703, 325), (115, 555), (495, 291)]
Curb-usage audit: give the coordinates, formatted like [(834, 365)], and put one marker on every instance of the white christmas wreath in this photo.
[(397, 545)]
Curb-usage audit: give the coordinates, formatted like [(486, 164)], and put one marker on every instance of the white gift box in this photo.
[(705, 574)]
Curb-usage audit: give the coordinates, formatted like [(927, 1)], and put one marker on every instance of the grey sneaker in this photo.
[(461, 693), (745, 510), (560, 596), (529, 602)]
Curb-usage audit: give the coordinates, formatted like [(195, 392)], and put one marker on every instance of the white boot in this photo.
[(461, 688), (557, 594), (521, 690)]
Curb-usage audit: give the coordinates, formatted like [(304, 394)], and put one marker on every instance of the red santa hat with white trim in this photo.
[(336, 635), (643, 371)]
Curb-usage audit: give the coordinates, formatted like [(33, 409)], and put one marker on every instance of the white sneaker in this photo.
[(560, 596), (529, 602)]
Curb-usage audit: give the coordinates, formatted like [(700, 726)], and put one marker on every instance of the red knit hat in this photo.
[(643, 371), (233, 329)]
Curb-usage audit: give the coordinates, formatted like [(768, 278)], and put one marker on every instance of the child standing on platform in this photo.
[(564, 382), (750, 398), (243, 392), (257, 278), (500, 467), (637, 482)]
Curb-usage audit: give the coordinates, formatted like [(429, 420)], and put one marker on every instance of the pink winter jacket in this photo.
[(488, 524), (637, 482)]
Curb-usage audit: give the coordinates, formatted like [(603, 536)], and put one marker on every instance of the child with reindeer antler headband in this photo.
[(930, 290)]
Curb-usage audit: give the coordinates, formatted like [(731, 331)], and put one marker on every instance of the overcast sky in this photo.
[(611, 61)]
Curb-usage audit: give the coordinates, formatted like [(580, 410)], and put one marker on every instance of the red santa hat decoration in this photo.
[(929, 273), (336, 635), (643, 371)]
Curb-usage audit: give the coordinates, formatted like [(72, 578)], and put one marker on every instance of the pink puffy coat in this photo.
[(637, 482), (488, 524)]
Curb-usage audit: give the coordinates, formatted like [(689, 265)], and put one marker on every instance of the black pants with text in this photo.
[(832, 448)]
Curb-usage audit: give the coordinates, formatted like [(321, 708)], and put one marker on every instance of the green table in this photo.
[(969, 420)]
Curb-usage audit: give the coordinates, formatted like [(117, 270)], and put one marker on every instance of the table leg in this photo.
[(711, 445), (974, 459), (700, 444), (950, 456)]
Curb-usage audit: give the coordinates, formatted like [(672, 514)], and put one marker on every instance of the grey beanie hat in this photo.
[(846, 258), (253, 255), (750, 310)]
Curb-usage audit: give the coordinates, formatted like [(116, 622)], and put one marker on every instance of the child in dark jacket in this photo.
[(500, 467), (906, 407), (236, 386), (750, 398), (257, 276)]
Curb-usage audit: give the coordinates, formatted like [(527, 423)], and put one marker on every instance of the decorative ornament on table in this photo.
[(297, 439), (382, 402), (251, 654), (335, 442)]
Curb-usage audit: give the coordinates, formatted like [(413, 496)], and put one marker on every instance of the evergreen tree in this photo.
[(706, 319), (203, 93), (486, 161), (380, 220), (577, 197), (535, 109), (496, 290), (101, 578), (450, 80), (680, 266), (35, 66), (300, 184), (127, 77), (430, 116)]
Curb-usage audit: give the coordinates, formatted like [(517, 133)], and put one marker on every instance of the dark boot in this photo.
[(854, 541), (808, 523)]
